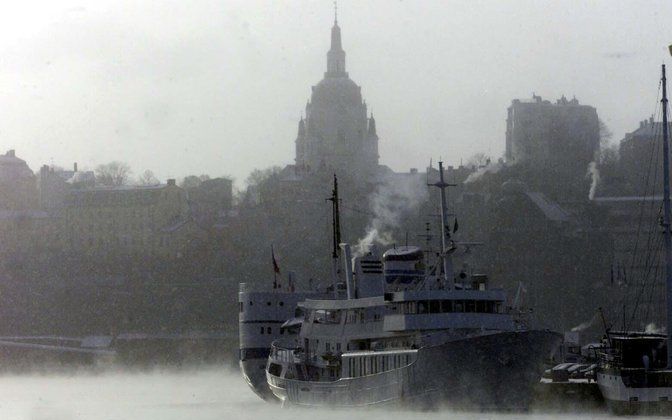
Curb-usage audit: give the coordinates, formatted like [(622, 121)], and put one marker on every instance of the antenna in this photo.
[(336, 233), (335, 12), (447, 244)]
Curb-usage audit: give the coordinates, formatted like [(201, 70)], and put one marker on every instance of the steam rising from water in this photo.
[(390, 202), (213, 394)]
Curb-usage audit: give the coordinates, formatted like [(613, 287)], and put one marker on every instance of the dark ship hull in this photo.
[(253, 368), (490, 372)]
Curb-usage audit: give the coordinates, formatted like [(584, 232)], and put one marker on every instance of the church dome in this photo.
[(337, 89)]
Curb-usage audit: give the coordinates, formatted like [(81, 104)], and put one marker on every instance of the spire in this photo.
[(372, 127), (336, 55), (302, 128)]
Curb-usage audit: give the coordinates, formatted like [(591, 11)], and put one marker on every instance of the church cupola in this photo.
[(336, 55)]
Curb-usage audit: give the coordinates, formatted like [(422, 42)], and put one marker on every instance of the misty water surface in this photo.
[(204, 394)]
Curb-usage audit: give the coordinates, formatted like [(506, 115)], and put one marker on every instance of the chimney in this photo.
[(11, 153), (171, 182), (74, 167)]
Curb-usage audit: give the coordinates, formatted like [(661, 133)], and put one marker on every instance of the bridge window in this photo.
[(434, 306), (322, 316), (446, 306)]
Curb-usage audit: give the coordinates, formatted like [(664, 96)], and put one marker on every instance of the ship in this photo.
[(265, 315), (409, 332), (635, 369)]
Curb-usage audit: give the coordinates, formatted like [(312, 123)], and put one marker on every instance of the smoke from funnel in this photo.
[(392, 200)]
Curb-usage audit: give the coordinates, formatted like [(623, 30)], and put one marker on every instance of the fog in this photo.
[(155, 156), (213, 86), (214, 393)]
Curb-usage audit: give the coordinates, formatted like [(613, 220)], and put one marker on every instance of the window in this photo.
[(268, 330), (262, 330), (447, 306)]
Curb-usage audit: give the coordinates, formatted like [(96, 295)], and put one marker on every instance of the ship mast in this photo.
[(336, 234), (447, 246), (666, 220)]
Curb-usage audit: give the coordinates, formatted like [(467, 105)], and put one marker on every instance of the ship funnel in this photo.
[(347, 258), (369, 274)]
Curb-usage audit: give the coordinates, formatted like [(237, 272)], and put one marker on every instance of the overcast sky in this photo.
[(216, 87)]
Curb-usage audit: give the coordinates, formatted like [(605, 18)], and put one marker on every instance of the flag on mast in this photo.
[(276, 269)]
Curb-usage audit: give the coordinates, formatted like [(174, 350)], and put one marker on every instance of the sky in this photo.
[(217, 87)]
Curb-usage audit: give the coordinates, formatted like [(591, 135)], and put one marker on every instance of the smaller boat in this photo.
[(635, 369)]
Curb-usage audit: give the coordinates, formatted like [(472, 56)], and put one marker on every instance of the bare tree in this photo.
[(190, 181), (605, 134), (113, 174), (148, 178), (259, 176)]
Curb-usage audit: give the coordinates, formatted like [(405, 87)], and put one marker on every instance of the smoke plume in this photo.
[(394, 199), (594, 174), (586, 324), (654, 329), (491, 167)]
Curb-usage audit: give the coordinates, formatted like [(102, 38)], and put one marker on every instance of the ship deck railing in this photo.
[(286, 351)]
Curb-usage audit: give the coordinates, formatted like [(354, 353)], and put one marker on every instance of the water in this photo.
[(195, 395)]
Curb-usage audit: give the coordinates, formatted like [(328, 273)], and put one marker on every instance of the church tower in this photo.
[(336, 133)]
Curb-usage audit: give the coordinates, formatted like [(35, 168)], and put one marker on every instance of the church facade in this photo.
[(337, 134)]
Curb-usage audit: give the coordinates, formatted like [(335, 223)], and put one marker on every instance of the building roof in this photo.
[(551, 210), (648, 128)]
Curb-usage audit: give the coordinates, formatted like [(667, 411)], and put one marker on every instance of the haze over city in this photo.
[(217, 87)]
